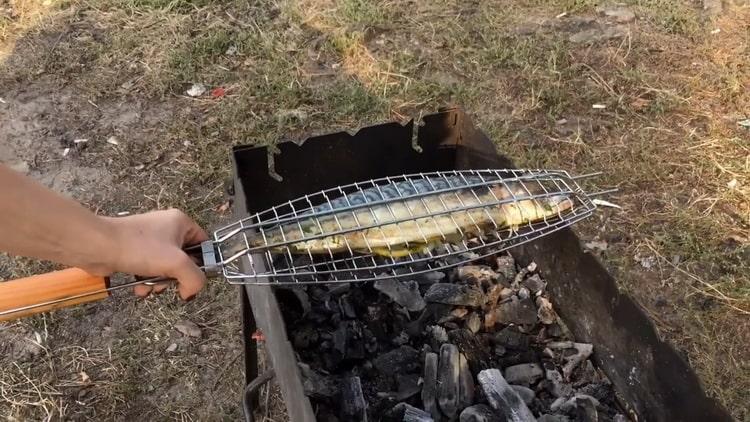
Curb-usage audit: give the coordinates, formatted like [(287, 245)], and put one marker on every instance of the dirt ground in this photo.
[(654, 93)]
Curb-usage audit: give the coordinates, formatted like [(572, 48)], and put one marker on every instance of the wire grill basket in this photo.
[(399, 226)]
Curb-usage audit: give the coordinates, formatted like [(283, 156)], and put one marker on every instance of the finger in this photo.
[(194, 234), (141, 290), (190, 278), (160, 287)]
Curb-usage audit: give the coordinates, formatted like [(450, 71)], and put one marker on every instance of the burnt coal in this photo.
[(429, 388), (397, 361), (523, 374), (481, 344), (526, 393), (353, 404), (447, 380), (502, 398), (506, 268), (455, 294), (405, 293), (466, 385), (404, 412), (479, 413), (534, 284), (514, 311)]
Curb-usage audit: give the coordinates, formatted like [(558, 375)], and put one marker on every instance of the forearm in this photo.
[(39, 223)]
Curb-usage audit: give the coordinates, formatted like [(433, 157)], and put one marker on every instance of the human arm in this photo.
[(37, 222)]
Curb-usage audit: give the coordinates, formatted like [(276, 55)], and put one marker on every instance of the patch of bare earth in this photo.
[(652, 95)]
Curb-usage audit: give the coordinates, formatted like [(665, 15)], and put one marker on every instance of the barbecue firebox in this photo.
[(650, 377)]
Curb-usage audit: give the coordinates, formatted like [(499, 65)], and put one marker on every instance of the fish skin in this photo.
[(414, 234)]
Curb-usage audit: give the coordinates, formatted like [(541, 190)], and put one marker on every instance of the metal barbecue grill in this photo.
[(282, 266)]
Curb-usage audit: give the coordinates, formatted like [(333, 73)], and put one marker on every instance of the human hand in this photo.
[(151, 244)]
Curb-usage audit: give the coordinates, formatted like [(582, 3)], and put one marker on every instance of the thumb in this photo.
[(189, 276)]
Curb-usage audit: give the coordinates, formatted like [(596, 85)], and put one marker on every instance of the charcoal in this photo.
[(555, 384), (347, 307), (499, 350), (371, 346), (398, 361), (479, 413), (523, 293), (429, 386), (317, 385), (583, 351), (506, 268), (502, 397), (319, 294), (584, 374), (447, 380), (375, 318), (353, 404), (412, 414), (510, 338), (553, 418), (317, 317), (598, 390), (430, 277), (480, 275), (526, 393), (401, 339), (408, 386), (545, 312), (518, 357), (450, 325), (339, 288), (455, 294), (331, 306), (572, 404), (437, 335), (523, 374), (405, 294), (327, 417), (339, 340), (515, 311), (459, 312), (406, 412), (304, 337), (302, 298), (465, 383), (554, 330), (493, 295), (432, 312), (534, 284), (477, 353), (474, 322), (586, 409)]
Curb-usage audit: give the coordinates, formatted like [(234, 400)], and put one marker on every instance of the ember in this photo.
[(478, 343)]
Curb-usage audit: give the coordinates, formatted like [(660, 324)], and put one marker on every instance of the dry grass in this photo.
[(668, 137)]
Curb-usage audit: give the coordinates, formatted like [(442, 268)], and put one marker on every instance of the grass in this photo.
[(668, 137)]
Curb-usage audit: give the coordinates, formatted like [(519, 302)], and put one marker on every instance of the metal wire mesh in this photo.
[(399, 226)]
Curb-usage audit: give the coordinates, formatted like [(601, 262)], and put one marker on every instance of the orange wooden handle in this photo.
[(48, 287)]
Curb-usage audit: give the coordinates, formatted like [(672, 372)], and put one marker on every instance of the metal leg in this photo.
[(251, 392)]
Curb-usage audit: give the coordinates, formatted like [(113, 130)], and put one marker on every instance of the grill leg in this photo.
[(251, 391), (251, 348)]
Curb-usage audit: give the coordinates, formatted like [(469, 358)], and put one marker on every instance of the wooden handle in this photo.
[(48, 287)]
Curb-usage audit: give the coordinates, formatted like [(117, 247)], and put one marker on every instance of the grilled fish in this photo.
[(404, 226)]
